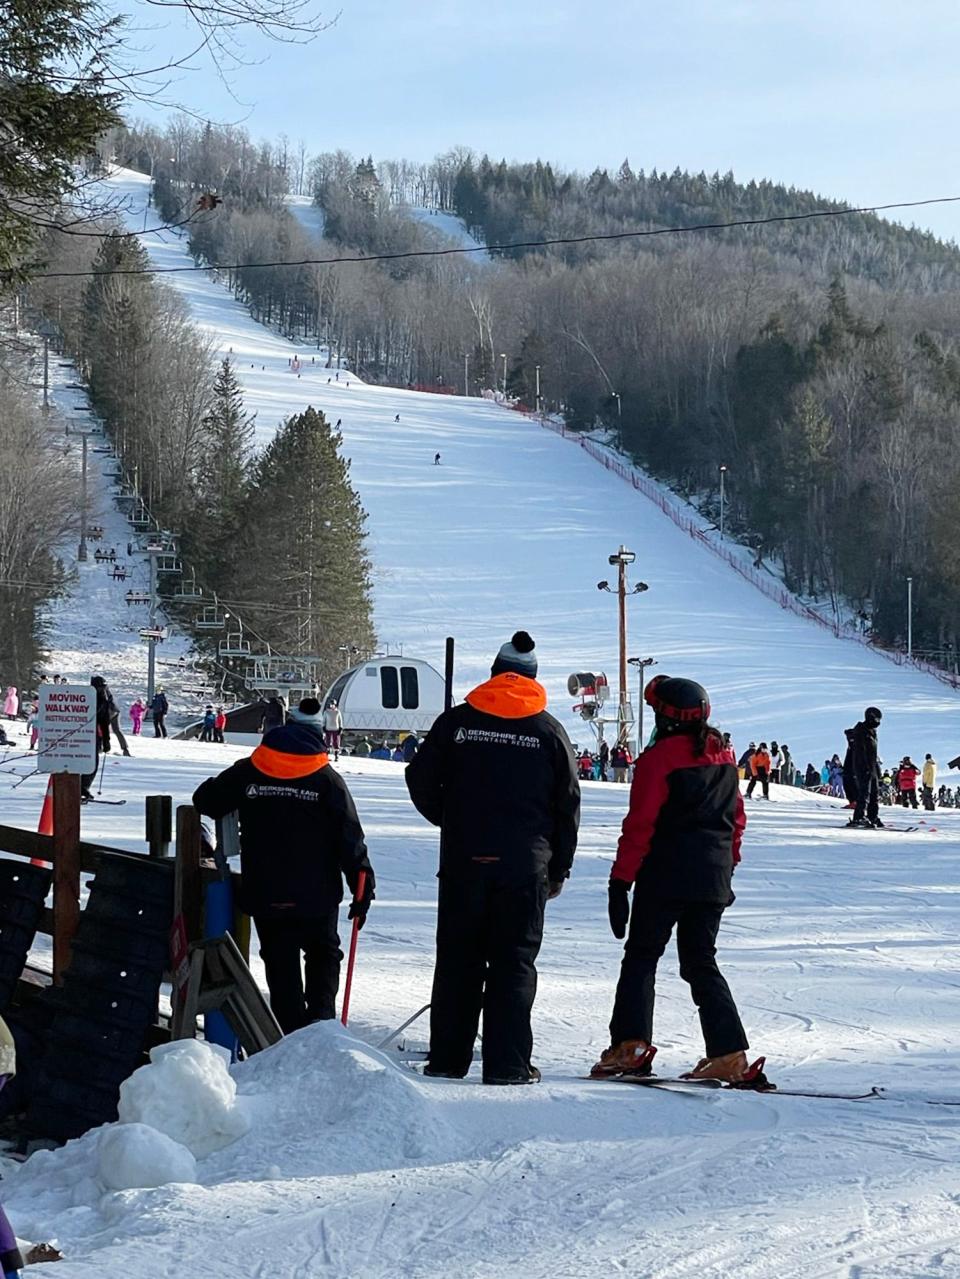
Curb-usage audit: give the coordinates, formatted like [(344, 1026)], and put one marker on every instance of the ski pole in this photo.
[(357, 897), (103, 764)]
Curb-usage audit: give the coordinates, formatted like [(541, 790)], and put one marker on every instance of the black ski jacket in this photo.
[(498, 775), (299, 829), (864, 755)]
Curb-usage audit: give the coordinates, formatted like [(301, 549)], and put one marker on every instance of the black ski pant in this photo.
[(908, 798), (651, 922), (488, 937), (761, 777), (868, 799), (159, 727), (282, 941)]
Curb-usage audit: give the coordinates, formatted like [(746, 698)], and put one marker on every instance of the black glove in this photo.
[(360, 905), (555, 889), (618, 907)]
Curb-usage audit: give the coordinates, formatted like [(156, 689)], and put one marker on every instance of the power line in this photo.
[(508, 248)]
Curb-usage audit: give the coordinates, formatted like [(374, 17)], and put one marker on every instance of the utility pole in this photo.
[(621, 559), (909, 617), (503, 356), (46, 371), (616, 396), (82, 548), (152, 643), (466, 373), (723, 476), (538, 389)]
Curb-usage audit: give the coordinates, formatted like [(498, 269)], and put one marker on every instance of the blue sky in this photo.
[(853, 100)]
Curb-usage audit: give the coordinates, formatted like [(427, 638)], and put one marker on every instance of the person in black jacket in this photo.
[(865, 763), (299, 836), (158, 709), (498, 776), (678, 849), (104, 702)]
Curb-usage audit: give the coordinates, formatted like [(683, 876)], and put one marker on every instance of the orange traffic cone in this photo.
[(45, 826)]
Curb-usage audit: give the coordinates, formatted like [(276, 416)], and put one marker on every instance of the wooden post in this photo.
[(187, 887), (66, 869), (159, 824)]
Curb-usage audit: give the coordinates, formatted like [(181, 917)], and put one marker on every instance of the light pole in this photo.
[(616, 396), (538, 388), (466, 373), (503, 356), (723, 476), (910, 617), (621, 559)]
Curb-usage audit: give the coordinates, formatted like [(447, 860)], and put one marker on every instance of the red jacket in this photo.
[(681, 836), (907, 775)]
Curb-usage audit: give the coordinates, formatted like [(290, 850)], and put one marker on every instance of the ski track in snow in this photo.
[(842, 948)]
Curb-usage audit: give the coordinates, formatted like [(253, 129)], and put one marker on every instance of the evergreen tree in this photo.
[(303, 548)]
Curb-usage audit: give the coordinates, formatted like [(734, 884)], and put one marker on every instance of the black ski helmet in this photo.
[(683, 701), (872, 715)]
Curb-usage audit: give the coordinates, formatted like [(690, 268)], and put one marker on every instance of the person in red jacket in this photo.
[(907, 780), (679, 845)]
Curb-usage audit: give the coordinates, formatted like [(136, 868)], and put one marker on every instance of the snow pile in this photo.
[(323, 1102), (187, 1094), (134, 1156)]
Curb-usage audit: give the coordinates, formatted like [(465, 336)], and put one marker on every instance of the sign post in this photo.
[(67, 749)]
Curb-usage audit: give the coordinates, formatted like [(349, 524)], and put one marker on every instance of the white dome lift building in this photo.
[(388, 695)]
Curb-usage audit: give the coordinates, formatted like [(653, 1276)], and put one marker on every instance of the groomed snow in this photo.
[(842, 950)]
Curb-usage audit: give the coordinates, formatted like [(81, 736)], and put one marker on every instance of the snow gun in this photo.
[(11, 1262)]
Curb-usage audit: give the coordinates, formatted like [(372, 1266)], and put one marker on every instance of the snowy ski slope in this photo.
[(842, 947), (514, 529)]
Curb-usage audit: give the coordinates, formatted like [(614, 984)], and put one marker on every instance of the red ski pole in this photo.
[(357, 897)]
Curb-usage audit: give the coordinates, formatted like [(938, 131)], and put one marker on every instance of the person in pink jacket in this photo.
[(11, 707), (137, 712)]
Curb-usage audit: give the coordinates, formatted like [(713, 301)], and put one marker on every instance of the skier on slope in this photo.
[(908, 782), (158, 709), (292, 886), (678, 848), (104, 702), (866, 768), (929, 781), (497, 774)]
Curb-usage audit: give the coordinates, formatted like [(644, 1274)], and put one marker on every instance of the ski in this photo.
[(901, 830), (678, 1084), (113, 803)]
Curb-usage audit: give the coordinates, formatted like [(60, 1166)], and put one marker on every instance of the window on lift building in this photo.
[(389, 688), (409, 688)]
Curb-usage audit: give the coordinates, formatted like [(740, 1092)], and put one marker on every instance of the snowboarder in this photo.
[(333, 727), (811, 778), (11, 705), (866, 768), (775, 761), (436, 459), (158, 709), (397, 418), (678, 848), (293, 887), (137, 712), (497, 775)]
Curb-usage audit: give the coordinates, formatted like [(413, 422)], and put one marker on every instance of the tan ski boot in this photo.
[(632, 1057), (731, 1069)]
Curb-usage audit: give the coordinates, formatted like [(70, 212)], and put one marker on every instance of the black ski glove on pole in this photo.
[(360, 906), (618, 907)]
